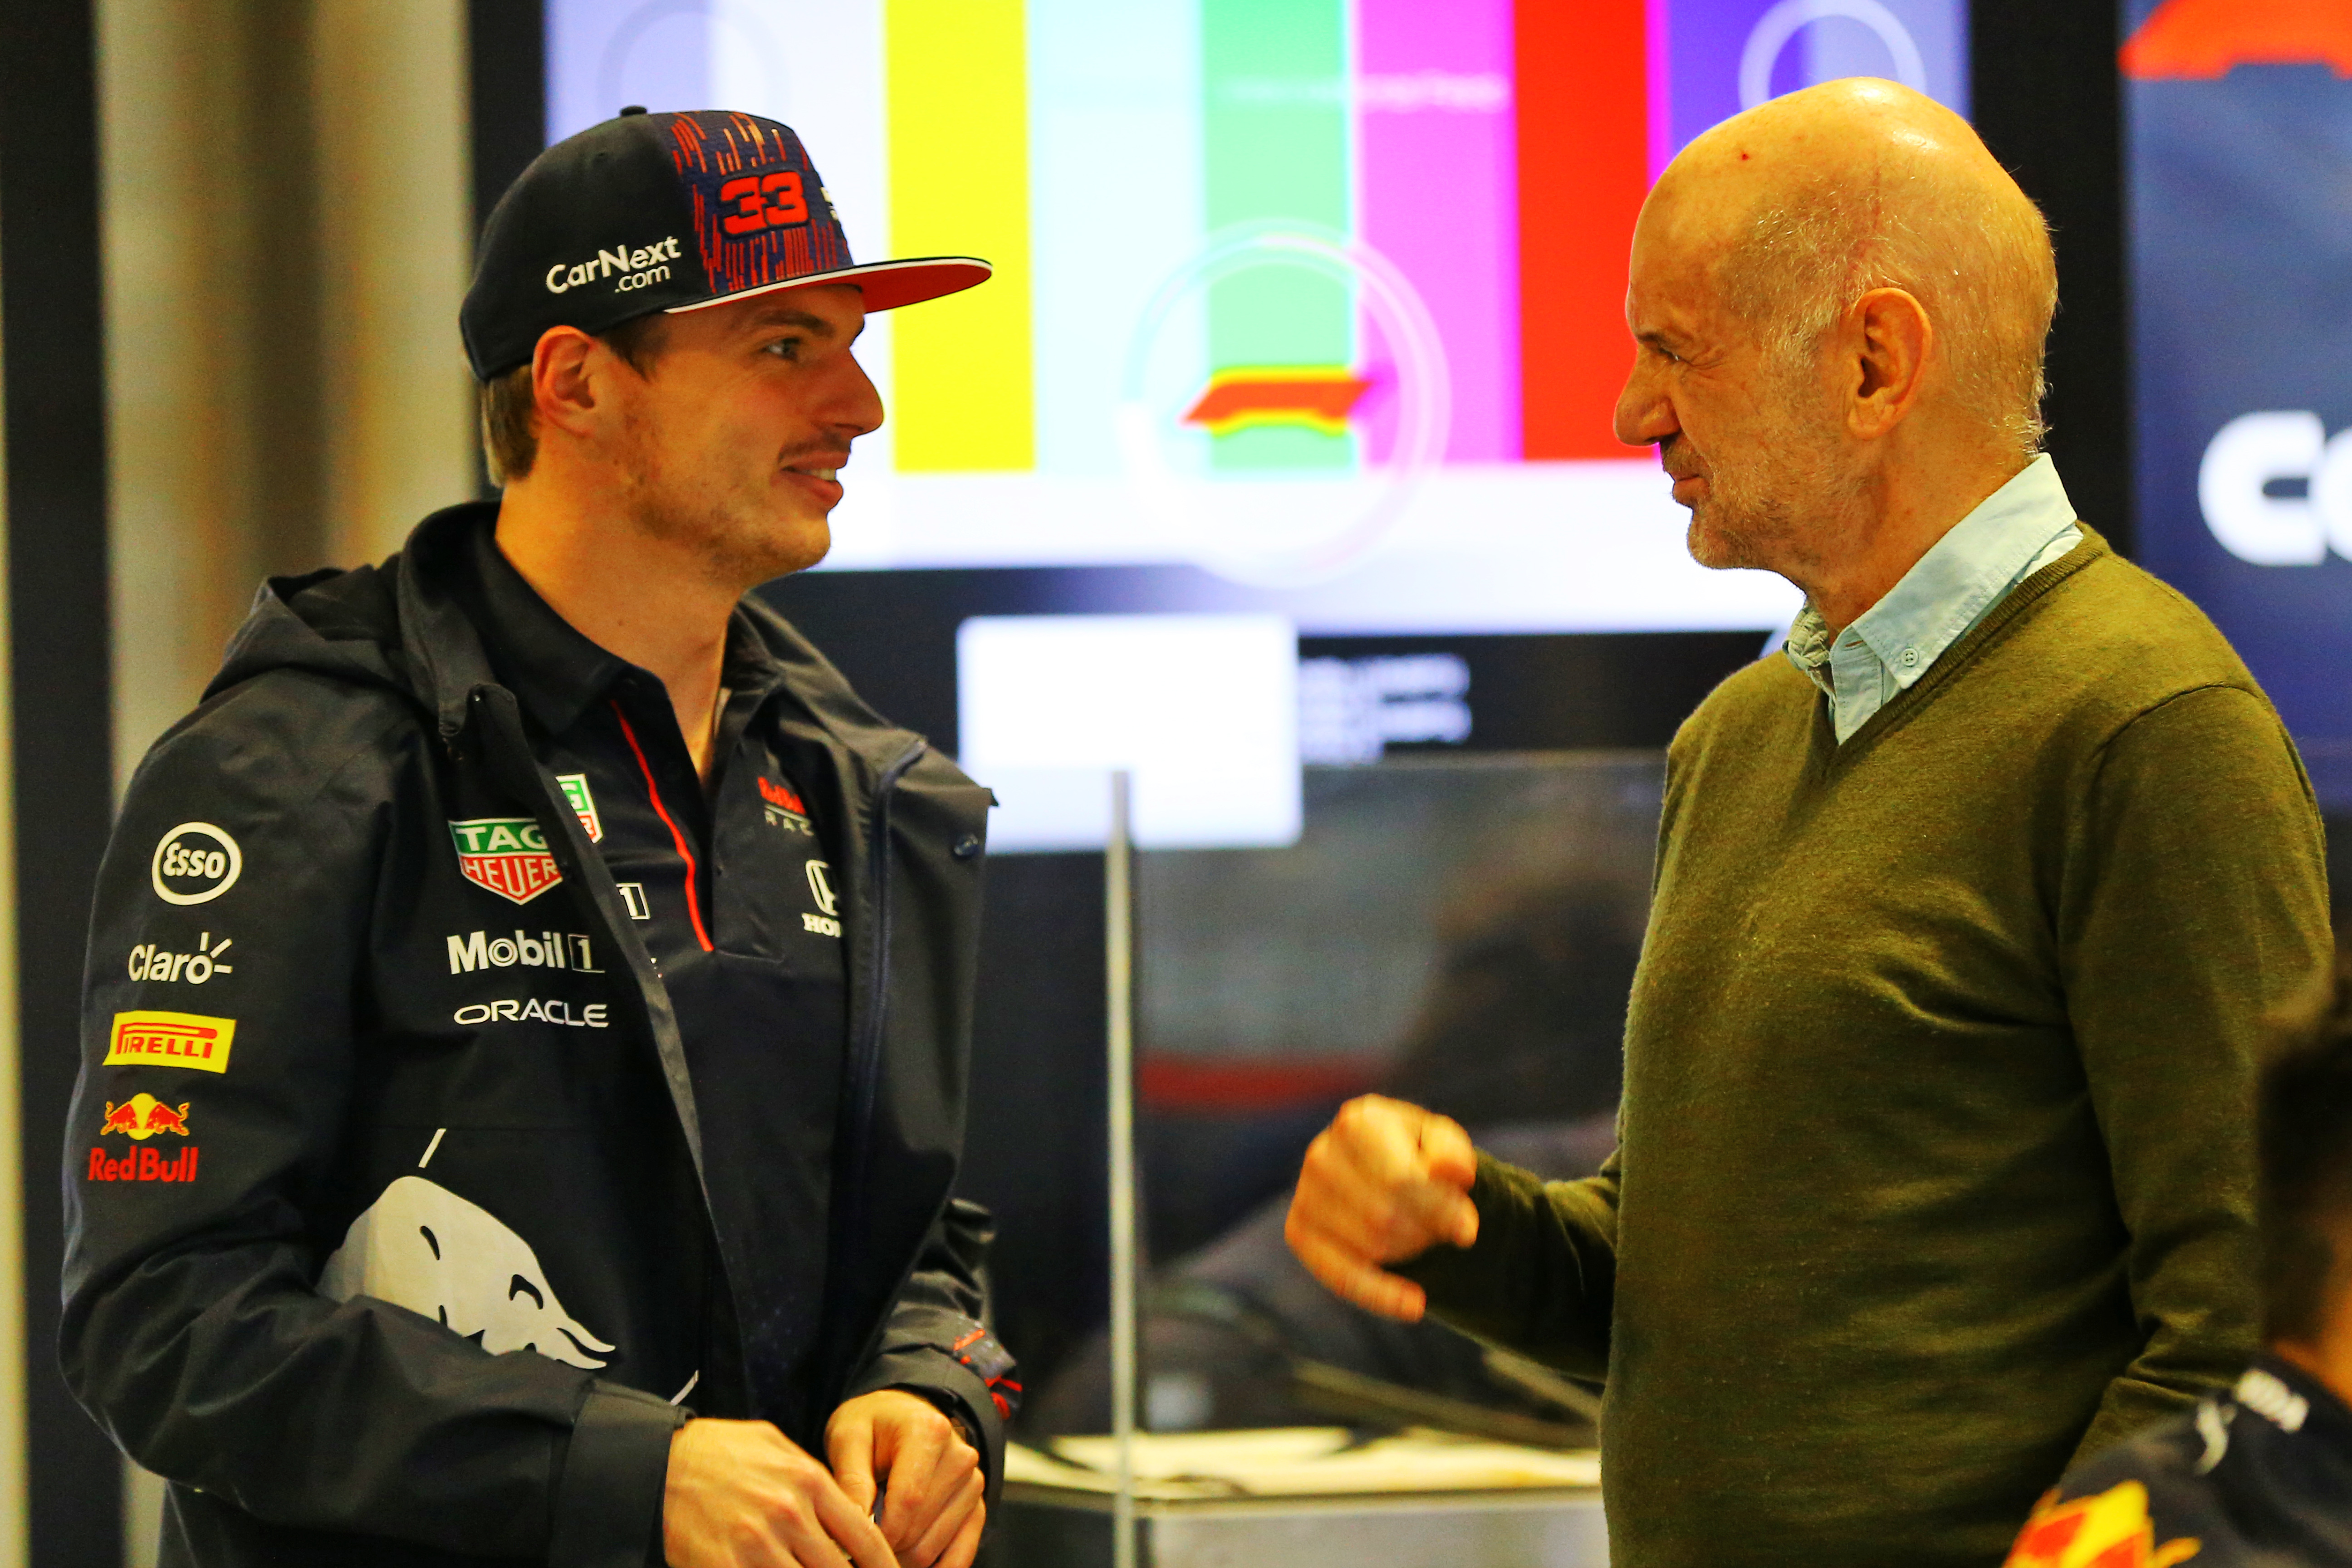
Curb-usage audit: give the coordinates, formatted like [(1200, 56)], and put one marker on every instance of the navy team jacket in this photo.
[(2259, 1479), (265, 1133)]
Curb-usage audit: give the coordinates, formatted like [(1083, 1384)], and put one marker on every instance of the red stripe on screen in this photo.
[(1581, 92)]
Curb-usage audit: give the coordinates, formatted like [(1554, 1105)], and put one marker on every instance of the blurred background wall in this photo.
[(287, 234), (239, 231)]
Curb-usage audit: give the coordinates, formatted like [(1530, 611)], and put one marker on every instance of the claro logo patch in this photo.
[(194, 864), (171, 1040)]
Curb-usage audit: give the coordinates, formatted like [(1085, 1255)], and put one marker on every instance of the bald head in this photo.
[(1801, 206)]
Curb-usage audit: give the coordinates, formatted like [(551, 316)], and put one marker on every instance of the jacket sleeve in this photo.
[(1541, 1277), (2195, 905), (201, 1178), (937, 1341)]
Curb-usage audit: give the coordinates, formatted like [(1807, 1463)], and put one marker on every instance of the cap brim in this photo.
[(887, 285)]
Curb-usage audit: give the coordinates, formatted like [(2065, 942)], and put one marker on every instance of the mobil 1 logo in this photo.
[(195, 863)]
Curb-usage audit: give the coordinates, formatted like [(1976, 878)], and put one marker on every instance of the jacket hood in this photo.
[(399, 626)]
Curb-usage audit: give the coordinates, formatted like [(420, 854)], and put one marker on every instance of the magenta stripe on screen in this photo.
[(1438, 183)]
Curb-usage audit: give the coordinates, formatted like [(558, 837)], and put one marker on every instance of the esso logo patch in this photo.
[(194, 864)]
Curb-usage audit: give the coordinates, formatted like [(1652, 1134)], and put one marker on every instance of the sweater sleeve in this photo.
[(1542, 1277), (2194, 905)]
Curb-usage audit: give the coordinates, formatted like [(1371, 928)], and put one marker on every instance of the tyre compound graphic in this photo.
[(1281, 530)]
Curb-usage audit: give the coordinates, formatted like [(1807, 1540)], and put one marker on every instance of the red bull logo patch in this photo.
[(171, 1040), (508, 855), (783, 805), (1315, 397), (143, 1165), (2111, 1530), (142, 1116)]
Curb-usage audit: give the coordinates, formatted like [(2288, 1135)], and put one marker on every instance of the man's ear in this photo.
[(1891, 338), (570, 384)]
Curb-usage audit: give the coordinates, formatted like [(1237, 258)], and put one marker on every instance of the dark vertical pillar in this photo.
[(2048, 100), (506, 56), (506, 66), (51, 336)]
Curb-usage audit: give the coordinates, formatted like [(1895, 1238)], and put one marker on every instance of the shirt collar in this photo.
[(1950, 586), (554, 670)]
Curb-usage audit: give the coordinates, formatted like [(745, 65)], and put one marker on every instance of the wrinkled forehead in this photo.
[(1683, 235)]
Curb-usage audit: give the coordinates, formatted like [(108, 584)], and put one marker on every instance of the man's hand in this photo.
[(740, 1494), (933, 1507), (1384, 1181)]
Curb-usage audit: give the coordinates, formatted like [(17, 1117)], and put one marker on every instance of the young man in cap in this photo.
[(528, 1001), (2261, 1477)]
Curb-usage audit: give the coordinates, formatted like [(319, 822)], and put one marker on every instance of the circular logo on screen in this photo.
[(194, 864), (1271, 465)]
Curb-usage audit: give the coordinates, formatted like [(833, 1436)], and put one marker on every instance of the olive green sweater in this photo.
[(1936, 1164)]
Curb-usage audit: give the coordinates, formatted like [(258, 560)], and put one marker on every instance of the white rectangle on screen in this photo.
[(1202, 709)]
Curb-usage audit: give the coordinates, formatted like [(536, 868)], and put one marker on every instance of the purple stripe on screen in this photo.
[(1658, 56), (1703, 55), (1437, 177)]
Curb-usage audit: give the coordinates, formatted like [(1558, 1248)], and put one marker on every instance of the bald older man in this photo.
[(1934, 1164)]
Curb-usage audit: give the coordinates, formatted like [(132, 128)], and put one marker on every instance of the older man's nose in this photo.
[(1644, 415)]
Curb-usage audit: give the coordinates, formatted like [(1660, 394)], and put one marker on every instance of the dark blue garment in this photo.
[(733, 891), (2262, 1478)]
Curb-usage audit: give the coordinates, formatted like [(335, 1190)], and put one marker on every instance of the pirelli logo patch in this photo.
[(171, 1040)]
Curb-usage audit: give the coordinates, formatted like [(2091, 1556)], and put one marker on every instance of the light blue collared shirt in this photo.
[(2016, 532)]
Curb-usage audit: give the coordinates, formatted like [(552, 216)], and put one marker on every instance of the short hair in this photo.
[(2306, 1123), (509, 411), (1981, 265)]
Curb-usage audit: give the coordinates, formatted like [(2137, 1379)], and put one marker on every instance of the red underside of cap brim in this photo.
[(887, 285)]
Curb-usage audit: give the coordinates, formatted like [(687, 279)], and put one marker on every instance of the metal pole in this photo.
[(1118, 949)]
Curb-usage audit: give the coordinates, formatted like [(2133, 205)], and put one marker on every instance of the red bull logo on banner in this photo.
[(142, 1116), (507, 854), (2109, 1531), (171, 1040), (2204, 39)]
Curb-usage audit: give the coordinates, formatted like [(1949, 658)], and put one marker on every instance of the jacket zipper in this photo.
[(865, 1050), (866, 1064)]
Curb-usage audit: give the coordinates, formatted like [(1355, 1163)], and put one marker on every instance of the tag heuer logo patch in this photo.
[(508, 855), (575, 790)]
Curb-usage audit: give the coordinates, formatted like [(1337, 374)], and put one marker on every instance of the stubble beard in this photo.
[(1778, 511), (730, 536)]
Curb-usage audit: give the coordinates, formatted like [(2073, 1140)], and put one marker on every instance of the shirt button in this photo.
[(967, 846), (1910, 656)]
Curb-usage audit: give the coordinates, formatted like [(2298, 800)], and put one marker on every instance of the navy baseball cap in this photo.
[(668, 212)]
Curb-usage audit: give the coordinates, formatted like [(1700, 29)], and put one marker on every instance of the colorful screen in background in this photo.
[(2240, 159), (1322, 296)]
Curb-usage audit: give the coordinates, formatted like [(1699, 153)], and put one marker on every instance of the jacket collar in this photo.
[(446, 659)]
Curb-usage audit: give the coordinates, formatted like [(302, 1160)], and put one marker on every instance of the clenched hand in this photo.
[(933, 1508), (1384, 1181)]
